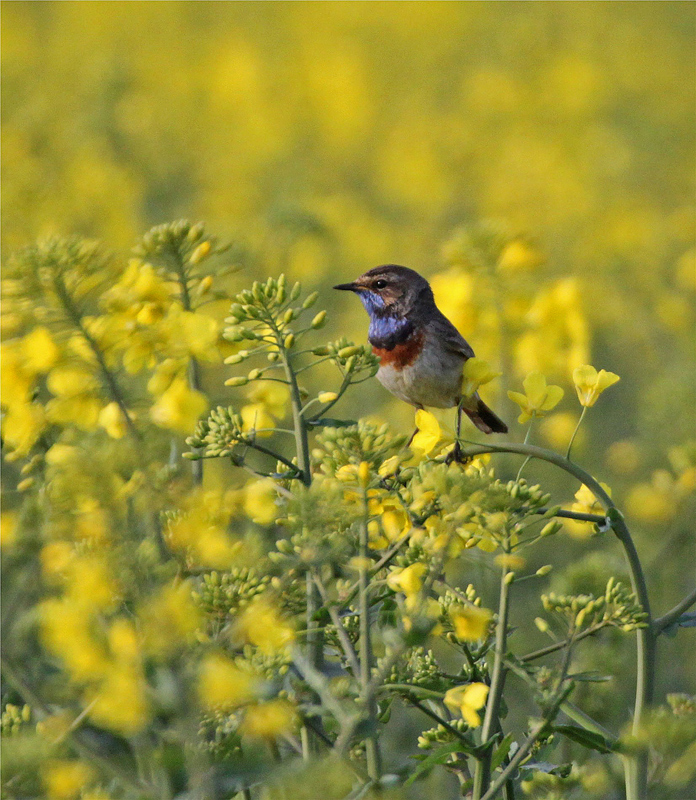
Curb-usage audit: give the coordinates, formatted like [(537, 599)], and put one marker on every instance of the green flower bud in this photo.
[(289, 341), (295, 291), (253, 374), (321, 351), (288, 317), (273, 356), (550, 528), (310, 300), (351, 350), (238, 381), (233, 334), (237, 358), (318, 321)]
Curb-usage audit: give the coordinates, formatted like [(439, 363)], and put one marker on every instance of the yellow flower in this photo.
[(476, 373), (467, 700), (408, 580), (585, 503), (107, 704), (269, 720), (255, 417), (429, 433), (519, 256), (22, 425), (63, 779), (222, 685), (169, 620), (589, 383), (71, 381), (260, 501), (39, 350), (112, 420), (179, 407), (260, 624), (8, 528), (470, 622), (538, 398)]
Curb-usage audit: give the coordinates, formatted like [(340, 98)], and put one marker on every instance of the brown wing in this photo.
[(451, 339)]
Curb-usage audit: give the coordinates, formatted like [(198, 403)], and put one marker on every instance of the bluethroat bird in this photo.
[(421, 354)]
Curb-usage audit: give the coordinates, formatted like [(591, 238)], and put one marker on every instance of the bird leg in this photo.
[(456, 454)]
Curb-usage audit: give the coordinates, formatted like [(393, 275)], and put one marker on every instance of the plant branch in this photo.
[(673, 614)]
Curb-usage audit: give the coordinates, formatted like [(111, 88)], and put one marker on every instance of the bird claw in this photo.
[(457, 456)]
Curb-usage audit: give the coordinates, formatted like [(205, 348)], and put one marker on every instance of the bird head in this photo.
[(390, 290)]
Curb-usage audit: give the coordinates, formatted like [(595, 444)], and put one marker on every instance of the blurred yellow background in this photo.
[(534, 160)]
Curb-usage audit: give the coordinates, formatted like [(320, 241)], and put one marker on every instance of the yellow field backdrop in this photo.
[(535, 161)]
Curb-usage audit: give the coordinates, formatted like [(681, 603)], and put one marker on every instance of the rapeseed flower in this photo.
[(538, 397), (589, 383), (222, 685), (467, 700), (476, 373), (470, 623)]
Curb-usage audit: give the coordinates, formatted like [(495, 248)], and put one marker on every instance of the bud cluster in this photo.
[(440, 735), (218, 435), (14, 719), (223, 594), (419, 668), (174, 244), (618, 608), (357, 444)]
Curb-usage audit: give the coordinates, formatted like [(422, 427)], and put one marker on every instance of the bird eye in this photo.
[(380, 284)]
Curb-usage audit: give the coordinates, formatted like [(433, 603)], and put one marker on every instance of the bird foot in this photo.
[(457, 456)]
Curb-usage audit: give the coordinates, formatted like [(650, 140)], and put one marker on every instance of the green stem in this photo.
[(372, 752), (671, 616), (526, 440), (635, 766), (575, 432), (301, 437), (482, 775)]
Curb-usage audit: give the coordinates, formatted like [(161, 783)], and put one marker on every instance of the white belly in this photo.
[(432, 380)]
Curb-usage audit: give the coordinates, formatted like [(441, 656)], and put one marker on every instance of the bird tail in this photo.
[(484, 419)]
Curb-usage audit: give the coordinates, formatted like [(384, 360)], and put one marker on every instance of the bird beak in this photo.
[(347, 287)]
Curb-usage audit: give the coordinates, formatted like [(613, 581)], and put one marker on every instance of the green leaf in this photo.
[(326, 422), (434, 760), (590, 677), (589, 739), (501, 752), (560, 770)]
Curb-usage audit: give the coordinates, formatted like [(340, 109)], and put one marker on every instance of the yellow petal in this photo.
[(554, 395), (475, 695), (606, 379), (428, 431), (535, 387), (476, 372)]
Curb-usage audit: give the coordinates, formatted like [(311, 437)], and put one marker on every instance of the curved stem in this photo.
[(636, 766)]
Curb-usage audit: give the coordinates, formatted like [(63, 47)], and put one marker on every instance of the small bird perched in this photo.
[(421, 354)]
